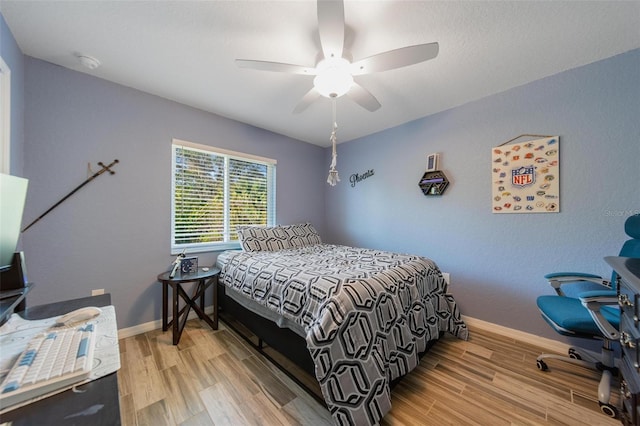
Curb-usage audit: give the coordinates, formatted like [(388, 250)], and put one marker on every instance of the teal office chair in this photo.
[(590, 315)]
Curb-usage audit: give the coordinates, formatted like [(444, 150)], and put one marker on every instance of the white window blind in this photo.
[(214, 191)]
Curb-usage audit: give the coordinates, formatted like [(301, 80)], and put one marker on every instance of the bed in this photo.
[(365, 315)]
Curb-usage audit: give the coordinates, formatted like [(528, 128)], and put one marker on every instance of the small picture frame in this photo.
[(432, 162), (189, 265)]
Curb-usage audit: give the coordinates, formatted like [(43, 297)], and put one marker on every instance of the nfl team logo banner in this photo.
[(525, 177)]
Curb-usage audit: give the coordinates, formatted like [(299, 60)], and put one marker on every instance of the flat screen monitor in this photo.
[(13, 193)]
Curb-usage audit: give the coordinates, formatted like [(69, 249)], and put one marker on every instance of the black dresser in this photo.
[(628, 271)]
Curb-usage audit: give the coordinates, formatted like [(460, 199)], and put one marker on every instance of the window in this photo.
[(213, 191)]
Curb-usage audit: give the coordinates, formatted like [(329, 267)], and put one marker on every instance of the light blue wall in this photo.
[(497, 262), (12, 56), (115, 232)]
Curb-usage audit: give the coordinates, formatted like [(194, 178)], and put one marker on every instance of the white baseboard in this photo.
[(547, 344), (543, 342), (153, 325)]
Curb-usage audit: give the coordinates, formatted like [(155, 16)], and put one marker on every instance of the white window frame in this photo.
[(228, 243), (5, 117)]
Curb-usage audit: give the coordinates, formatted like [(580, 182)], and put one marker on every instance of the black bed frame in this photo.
[(283, 340)]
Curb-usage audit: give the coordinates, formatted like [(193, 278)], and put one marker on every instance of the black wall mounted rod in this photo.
[(95, 175)]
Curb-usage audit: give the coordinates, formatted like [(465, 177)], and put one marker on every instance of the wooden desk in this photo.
[(99, 399), (203, 281)]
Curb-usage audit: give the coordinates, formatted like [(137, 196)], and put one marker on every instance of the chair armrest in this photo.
[(593, 300), (604, 297), (557, 279), (571, 274)]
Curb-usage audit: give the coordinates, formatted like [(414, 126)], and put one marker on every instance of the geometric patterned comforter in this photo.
[(367, 315)]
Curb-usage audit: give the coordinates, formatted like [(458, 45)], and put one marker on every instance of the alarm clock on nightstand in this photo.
[(189, 265)]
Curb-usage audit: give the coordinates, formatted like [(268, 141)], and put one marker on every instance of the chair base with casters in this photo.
[(604, 364)]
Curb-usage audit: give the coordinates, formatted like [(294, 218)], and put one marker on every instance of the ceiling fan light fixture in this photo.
[(334, 78), (334, 75)]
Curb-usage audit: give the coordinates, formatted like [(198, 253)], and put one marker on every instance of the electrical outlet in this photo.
[(446, 277), (97, 292)]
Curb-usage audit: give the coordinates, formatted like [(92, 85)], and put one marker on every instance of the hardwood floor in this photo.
[(216, 378)]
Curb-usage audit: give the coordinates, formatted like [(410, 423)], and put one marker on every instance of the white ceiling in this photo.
[(185, 51)]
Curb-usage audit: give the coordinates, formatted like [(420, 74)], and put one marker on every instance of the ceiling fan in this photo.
[(334, 74)]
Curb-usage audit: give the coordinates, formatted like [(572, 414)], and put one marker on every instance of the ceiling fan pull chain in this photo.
[(333, 178), (334, 121)]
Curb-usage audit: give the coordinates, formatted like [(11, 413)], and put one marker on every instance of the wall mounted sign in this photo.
[(355, 178), (525, 176)]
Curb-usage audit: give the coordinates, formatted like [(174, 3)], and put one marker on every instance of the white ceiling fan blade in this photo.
[(331, 27), (275, 67), (306, 100), (397, 58), (363, 97)]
